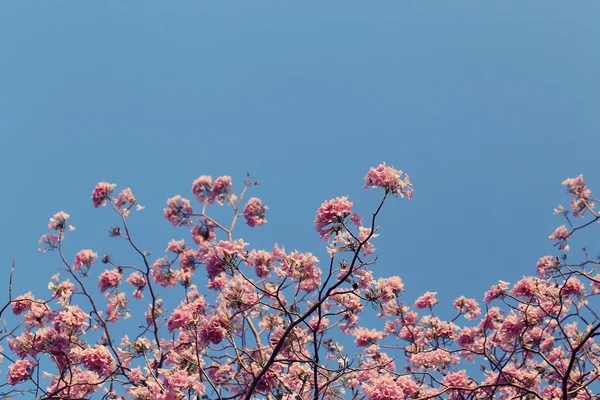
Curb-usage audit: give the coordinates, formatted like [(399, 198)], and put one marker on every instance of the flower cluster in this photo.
[(255, 212), (331, 215), (390, 180), (102, 193)]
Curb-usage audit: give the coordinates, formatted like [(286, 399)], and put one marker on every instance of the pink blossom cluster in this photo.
[(203, 231), (97, 359), (138, 281), (110, 279), (390, 180), (580, 202), (208, 192), (58, 220), (255, 212), (20, 371), (178, 211), (428, 300), (101, 193), (331, 215), (85, 258), (125, 201)]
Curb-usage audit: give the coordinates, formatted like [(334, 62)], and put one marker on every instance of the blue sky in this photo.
[(487, 106)]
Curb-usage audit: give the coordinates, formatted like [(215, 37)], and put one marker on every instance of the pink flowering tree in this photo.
[(270, 324)]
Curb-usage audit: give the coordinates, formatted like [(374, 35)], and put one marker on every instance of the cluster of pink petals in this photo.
[(581, 194), (388, 387), (102, 193), (71, 319), (255, 212), (261, 261), (187, 313), (213, 329), (560, 233), (299, 267), (208, 192), (117, 307), (75, 384), (330, 216), (366, 337), (138, 281), (97, 359), (389, 179), (20, 371), (428, 300), (22, 303), (84, 258), (178, 211), (162, 273), (62, 290), (367, 247), (496, 291), (109, 279), (468, 307), (545, 265), (57, 222), (176, 246), (125, 201), (239, 294), (222, 254), (203, 231)]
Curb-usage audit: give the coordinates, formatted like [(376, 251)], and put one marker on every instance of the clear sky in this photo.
[(488, 106)]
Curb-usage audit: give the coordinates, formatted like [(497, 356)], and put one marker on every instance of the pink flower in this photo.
[(544, 265), (330, 216), (261, 261), (221, 189), (526, 287), (572, 287), (581, 194), (300, 267), (496, 291), (187, 313), (387, 387), (162, 273), (126, 200), (97, 359), (70, 319), (20, 371), (213, 329), (202, 188), (203, 231), (178, 211), (57, 222), (389, 179), (468, 307), (137, 280), (116, 307), (428, 300), (560, 233), (222, 255), (367, 247), (176, 246), (22, 303), (458, 379), (255, 212), (366, 337), (109, 279), (102, 193), (84, 258), (356, 219)]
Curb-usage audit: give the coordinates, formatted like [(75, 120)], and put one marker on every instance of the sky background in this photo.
[(488, 106)]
